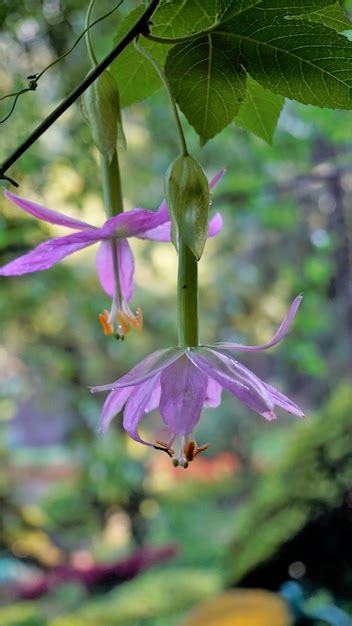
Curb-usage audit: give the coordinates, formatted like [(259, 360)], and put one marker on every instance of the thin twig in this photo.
[(140, 26), (33, 80)]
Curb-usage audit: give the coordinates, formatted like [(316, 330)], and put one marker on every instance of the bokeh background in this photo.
[(96, 529)]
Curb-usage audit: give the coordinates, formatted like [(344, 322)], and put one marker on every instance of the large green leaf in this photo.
[(208, 82), (176, 18), (292, 7), (260, 111), (230, 8), (303, 61), (135, 76), (332, 17)]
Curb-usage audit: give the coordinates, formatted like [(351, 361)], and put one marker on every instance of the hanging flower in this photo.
[(180, 381), (115, 262)]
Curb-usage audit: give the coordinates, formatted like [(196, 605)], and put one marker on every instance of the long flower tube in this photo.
[(183, 380)]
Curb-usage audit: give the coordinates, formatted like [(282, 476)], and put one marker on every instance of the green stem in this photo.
[(110, 175), (113, 202), (110, 170), (187, 296), (164, 80), (93, 58), (111, 181)]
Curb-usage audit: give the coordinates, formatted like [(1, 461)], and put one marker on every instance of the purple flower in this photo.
[(180, 381), (115, 263)]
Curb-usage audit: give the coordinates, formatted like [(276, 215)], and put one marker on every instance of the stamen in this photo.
[(123, 322), (165, 447), (140, 320), (108, 328), (124, 318), (201, 449), (188, 450)]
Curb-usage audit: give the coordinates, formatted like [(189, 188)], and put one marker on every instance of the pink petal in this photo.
[(163, 232), (214, 181), (279, 335), (163, 211), (126, 268), (49, 253), (125, 263), (183, 393), (215, 225), (105, 268), (132, 223), (284, 402), (160, 233), (234, 377), (136, 407), (154, 399), (113, 405), (151, 365), (45, 214), (213, 395)]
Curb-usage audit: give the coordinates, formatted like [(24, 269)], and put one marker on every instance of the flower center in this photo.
[(184, 452), (120, 320)]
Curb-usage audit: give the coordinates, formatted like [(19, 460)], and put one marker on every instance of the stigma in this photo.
[(120, 320), (182, 454)]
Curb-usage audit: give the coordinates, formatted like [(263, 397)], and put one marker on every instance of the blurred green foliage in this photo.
[(314, 476)]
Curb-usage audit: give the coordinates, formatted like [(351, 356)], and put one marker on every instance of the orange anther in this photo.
[(123, 321), (104, 320), (191, 450)]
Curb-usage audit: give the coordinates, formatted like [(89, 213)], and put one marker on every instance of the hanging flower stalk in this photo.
[(181, 380)]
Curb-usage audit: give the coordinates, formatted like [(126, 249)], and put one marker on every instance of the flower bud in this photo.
[(187, 195), (101, 109)]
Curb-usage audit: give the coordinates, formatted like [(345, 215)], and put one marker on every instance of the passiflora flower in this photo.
[(114, 261), (183, 380)]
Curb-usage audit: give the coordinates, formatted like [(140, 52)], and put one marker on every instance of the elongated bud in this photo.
[(101, 109), (187, 195)]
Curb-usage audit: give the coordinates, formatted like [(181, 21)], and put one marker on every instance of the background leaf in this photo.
[(135, 76), (332, 17), (260, 111), (293, 7), (230, 8), (182, 17), (208, 83)]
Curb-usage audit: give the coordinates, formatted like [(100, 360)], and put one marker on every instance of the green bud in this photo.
[(187, 194), (101, 110)]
